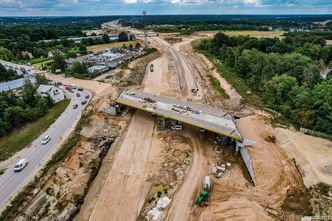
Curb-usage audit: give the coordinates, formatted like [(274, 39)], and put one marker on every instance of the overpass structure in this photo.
[(202, 116)]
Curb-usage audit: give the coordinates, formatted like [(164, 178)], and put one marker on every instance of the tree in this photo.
[(6, 54), (28, 93), (41, 79), (79, 68), (138, 45), (123, 36), (105, 38), (59, 61), (83, 50)]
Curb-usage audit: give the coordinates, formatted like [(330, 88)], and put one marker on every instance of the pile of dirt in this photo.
[(177, 157)]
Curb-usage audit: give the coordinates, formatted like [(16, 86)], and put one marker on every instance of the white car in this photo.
[(176, 127), (20, 165), (45, 140)]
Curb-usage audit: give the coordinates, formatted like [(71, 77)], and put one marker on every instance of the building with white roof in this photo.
[(55, 93)]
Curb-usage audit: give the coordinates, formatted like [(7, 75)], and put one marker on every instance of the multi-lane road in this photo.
[(37, 154)]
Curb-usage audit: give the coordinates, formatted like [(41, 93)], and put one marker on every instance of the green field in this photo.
[(20, 138), (258, 34), (101, 47), (38, 65)]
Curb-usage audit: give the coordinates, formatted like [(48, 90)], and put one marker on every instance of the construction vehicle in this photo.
[(203, 198), (151, 67)]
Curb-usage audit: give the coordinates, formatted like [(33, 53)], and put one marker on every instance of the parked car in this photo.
[(78, 95), (176, 127), (83, 102), (20, 165), (80, 89), (87, 96), (75, 106), (45, 140)]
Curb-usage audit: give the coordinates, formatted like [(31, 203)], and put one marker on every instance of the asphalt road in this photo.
[(37, 154)]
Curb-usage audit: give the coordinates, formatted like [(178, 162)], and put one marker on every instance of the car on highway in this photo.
[(45, 140), (83, 102), (75, 106), (78, 95), (87, 96), (20, 165), (176, 127)]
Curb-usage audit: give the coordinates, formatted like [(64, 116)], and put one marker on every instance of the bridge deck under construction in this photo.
[(200, 116)]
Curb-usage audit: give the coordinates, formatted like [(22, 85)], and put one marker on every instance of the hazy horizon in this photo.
[(161, 7)]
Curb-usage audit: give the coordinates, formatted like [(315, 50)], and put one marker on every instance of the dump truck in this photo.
[(203, 198)]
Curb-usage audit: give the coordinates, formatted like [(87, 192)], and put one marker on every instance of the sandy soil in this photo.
[(126, 182), (122, 192), (311, 153), (277, 182), (183, 200), (95, 87)]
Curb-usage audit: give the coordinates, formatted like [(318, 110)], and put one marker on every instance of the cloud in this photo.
[(109, 7), (136, 1)]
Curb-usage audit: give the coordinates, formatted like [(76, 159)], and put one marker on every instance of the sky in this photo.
[(135, 7)]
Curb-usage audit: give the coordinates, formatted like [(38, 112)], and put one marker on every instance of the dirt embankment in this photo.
[(279, 189), (313, 155), (64, 191)]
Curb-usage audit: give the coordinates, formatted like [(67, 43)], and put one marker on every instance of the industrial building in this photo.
[(201, 116)]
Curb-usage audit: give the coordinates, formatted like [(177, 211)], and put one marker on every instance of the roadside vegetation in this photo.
[(23, 197), (216, 86), (284, 73), (23, 136), (17, 110), (7, 75)]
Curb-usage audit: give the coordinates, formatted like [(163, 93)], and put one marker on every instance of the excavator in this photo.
[(203, 198)]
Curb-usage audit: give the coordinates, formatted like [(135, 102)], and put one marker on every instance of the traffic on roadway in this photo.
[(42, 149)]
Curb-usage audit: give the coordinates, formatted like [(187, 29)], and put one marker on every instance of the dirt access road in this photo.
[(124, 191), (126, 184)]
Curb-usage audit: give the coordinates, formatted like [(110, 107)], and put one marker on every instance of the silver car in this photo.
[(45, 140)]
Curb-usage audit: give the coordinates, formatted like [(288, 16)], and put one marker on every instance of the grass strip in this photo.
[(23, 198), (216, 86), (20, 138)]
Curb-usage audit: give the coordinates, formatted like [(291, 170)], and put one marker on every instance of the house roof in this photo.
[(44, 88)]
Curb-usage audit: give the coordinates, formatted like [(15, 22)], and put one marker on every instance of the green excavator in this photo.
[(203, 198)]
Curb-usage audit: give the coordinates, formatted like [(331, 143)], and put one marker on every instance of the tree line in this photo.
[(285, 73), (16, 110)]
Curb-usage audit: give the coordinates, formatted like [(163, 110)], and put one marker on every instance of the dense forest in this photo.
[(284, 73), (187, 24), (16, 110)]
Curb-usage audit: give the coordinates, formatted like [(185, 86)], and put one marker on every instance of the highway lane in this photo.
[(37, 154)]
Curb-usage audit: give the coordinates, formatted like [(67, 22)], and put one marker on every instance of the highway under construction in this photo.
[(201, 116)]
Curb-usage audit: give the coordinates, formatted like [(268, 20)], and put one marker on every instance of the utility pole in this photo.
[(145, 30)]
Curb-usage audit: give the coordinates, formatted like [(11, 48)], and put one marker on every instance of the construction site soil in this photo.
[(148, 163)]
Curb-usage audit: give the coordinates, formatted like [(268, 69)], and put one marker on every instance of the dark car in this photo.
[(78, 95), (87, 97), (75, 106), (83, 102)]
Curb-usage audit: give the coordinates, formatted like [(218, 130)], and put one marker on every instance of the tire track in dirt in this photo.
[(184, 198)]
